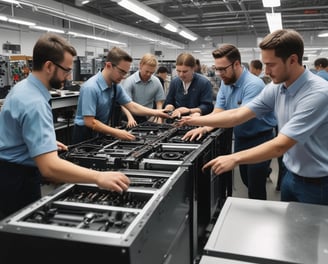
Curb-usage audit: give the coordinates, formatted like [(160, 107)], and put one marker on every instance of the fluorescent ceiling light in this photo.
[(187, 35), (271, 3), (274, 21), (10, 2), (170, 27), (48, 29), (323, 34), (139, 10), (3, 18), (21, 22), (75, 34)]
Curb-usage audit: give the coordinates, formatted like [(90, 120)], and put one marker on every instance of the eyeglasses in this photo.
[(121, 71), (224, 69), (66, 70)]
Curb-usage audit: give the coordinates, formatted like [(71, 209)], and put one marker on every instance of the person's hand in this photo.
[(196, 133), (131, 123), (113, 181), (61, 146), (181, 111), (221, 164), (183, 121), (161, 113), (123, 134)]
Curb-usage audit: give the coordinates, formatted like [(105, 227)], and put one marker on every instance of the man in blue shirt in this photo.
[(299, 99), (189, 93), (144, 88), (321, 66), (98, 96), (28, 144), (238, 87)]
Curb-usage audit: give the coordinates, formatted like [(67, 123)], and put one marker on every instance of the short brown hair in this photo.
[(257, 64), (186, 59), (321, 62), (50, 47), (115, 55), (229, 51), (284, 42)]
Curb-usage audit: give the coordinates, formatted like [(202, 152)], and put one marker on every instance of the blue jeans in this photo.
[(254, 176), (296, 189)]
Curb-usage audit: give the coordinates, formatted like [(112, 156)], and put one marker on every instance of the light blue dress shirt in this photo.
[(144, 93), (26, 123), (302, 114), (96, 99), (241, 92)]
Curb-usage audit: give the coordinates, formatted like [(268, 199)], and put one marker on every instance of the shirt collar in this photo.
[(298, 84), (43, 89), (101, 81)]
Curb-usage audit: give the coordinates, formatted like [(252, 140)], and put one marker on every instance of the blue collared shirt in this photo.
[(244, 90), (302, 114), (144, 93), (96, 99), (26, 123), (323, 74)]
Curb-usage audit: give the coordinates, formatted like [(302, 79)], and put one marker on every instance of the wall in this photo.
[(200, 49)]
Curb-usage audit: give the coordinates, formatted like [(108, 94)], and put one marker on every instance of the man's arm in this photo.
[(223, 119), (102, 128), (271, 149)]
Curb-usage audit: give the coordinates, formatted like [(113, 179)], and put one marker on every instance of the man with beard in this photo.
[(98, 96), (299, 99), (237, 88), (28, 147)]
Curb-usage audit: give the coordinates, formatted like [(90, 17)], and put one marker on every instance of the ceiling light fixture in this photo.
[(271, 3), (170, 27), (3, 18), (21, 22), (140, 9), (274, 21), (187, 35), (48, 29), (10, 2), (323, 34), (80, 35)]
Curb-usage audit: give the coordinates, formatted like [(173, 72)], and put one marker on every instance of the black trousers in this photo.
[(20, 185)]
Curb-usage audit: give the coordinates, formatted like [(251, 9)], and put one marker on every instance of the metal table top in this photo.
[(270, 232)]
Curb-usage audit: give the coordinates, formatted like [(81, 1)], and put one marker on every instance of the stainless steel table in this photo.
[(270, 232), (217, 260)]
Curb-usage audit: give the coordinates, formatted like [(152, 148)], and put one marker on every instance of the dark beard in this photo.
[(231, 80), (55, 83)]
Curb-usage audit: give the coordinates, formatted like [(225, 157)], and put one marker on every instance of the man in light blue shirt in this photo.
[(144, 88), (299, 99), (28, 147), (321, 66), (238, 87)]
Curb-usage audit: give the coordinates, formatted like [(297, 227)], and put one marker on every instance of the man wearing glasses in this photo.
[(28, 147), (98, 96), (238, 87)]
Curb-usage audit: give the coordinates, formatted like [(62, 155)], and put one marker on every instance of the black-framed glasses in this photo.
[(121, 71), (66, 70), (223, 69)]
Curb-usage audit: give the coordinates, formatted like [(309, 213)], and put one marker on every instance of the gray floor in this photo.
[(240, 190)]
